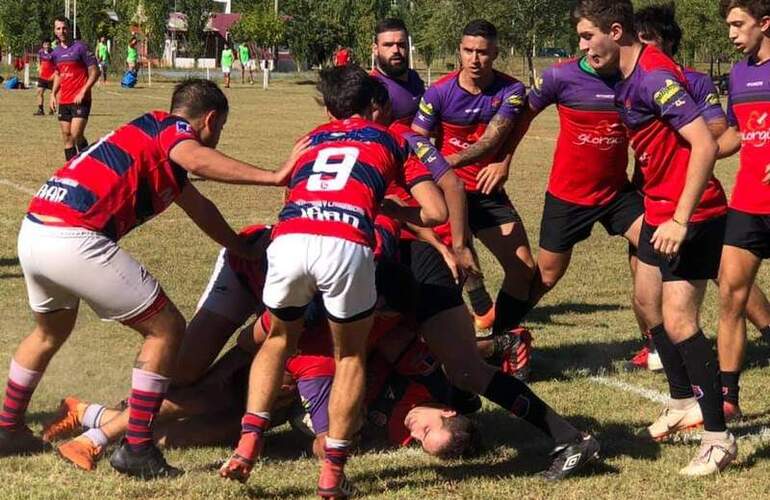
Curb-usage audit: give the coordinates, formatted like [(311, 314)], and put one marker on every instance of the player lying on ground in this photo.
[(68, 251), (681, 237)]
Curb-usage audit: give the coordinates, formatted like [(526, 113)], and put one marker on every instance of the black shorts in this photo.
[(44, 84), (69, 111), (490, 210), (748, 231), (699, 256), (436, 287), (566, 224)]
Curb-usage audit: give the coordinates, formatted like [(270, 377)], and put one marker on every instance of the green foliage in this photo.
[(197, 12), (15, 29), (260, 25)]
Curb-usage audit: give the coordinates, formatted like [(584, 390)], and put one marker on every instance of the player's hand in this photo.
[(466, 260), (492, 177), (766, 178), (391, 206), (452, 264), (52, 104), (283, 174), (668, 238), (79, 97)]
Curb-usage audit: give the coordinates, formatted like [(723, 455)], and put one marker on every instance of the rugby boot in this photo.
[(484, 322), (713, 456), (39, 112), (67, 420), (569, 458), (647, 358), (147, 463), (333, 483), (238, 467), (732, 412), (518, 354), (81, 452), (20, 441), (673, 420)]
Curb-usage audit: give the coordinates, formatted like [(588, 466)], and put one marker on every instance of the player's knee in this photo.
[(732, 298), (680, 327)]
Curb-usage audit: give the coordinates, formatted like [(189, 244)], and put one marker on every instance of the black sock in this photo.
[(679, 385), (70, 153), (701, 363), (730, 387), (82, 146), (509, 312), (481, 302), (514, 396), (765, 331), (40, 107)]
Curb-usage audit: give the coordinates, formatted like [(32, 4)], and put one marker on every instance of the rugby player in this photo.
[(45, 74), (746, 236), (77, 71), (685, 210), (471, 112), (322, 243), (68, 251)]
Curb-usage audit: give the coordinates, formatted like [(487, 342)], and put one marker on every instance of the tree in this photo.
[(259, 25), (17, 32), (197, 12)]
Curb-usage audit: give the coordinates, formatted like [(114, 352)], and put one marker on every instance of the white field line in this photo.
[(126, 94), (17, 187)]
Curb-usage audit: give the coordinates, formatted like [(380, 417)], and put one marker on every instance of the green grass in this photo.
[(584, 327)]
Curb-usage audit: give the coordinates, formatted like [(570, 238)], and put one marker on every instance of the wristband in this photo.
[(677, 222)]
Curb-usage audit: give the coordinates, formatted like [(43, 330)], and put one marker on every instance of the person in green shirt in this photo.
[(103, 56), (247, 63), (226, 60), (132, 55)]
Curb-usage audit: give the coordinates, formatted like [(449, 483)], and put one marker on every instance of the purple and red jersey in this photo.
[(119, 182), (748, 109), (338, 184), (404, 95), (72, 64), (460, 117), (45, 64), (591, 156), (654, 104), (704, 93)]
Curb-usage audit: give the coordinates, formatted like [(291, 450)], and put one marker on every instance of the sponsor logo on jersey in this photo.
[(759, 83), (454, 141), (757, 132), (515, 100), (712, 99), (538, 84), (52, 193), (426, 108), (605, 136), (183, 127), (667, 93), (425, 152)]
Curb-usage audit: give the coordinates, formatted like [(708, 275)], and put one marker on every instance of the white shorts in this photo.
[(62, 265), (300, 265), (226, 296), (250, 64), (226, 70)]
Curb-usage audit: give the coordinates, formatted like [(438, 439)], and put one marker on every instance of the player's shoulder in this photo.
[(653, 59), (445, 81), (740, 68)]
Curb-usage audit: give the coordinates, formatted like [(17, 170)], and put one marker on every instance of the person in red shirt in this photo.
[(77, 71), (341, 56), (46, 72), (684, 219), (68, 252)]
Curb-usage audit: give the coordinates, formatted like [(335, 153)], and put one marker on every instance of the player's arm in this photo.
[(431, 212), (729, 142), (205, 214), (432, 239), (669, 236), (55, 90), (211, 164), (93, 77), (489, 143)]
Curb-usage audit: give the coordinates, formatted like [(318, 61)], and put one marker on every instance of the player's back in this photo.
[(337, 185), (119, 182)]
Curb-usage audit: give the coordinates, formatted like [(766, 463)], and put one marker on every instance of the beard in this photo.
[(393, 69)]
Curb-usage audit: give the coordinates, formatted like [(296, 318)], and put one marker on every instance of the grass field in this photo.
[(583, 331)]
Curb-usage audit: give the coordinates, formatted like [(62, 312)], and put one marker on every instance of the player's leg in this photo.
[(737, 271), (758, 311), (551, 268), (78, 127), (65, 127), (40, 97)]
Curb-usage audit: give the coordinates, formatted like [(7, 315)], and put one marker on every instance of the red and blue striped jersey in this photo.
[(121, 181), (72, 64)]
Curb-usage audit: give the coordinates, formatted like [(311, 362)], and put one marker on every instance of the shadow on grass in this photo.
[(562, 361), (9, 261), (546, 314), (8, 276), (305, 82)]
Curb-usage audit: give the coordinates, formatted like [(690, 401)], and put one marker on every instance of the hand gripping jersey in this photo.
[(72, 64), (45, 64), (337, 186), (591, 156), (748, 109), (251, 273), (654, 104), (404, 95), (704, 93), (119, 182), (460, 118)]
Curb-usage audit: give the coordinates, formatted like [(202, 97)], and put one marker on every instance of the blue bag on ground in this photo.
[(129, 80), (11, 83)]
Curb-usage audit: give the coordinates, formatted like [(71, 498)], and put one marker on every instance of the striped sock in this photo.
[(337, 451), (18, 392), (147, 392), (253, 426), (257, 423)]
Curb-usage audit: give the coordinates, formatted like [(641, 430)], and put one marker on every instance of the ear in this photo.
[(210, 119), (764, 25), (374, 48), (616, 32)]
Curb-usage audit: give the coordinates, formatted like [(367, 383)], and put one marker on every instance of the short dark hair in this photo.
[(605, 13), (756, 8), (196, 97), (380, 96), (45, 40), (466, 442), (389, 24), (482, 28), (62, 19), (659, 21), (346, 90)]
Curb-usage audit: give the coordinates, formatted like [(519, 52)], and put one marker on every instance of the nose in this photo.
[(583, 45)]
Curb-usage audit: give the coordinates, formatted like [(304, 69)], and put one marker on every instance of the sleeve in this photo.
[(707, 99), (665, 94), (87, 57), (386, 234), (544, 91), (429, 110), (513, 101), (173, 131), (732, 121), (423, 159)]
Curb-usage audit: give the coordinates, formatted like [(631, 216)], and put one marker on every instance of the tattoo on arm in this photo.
[(494, 136)]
